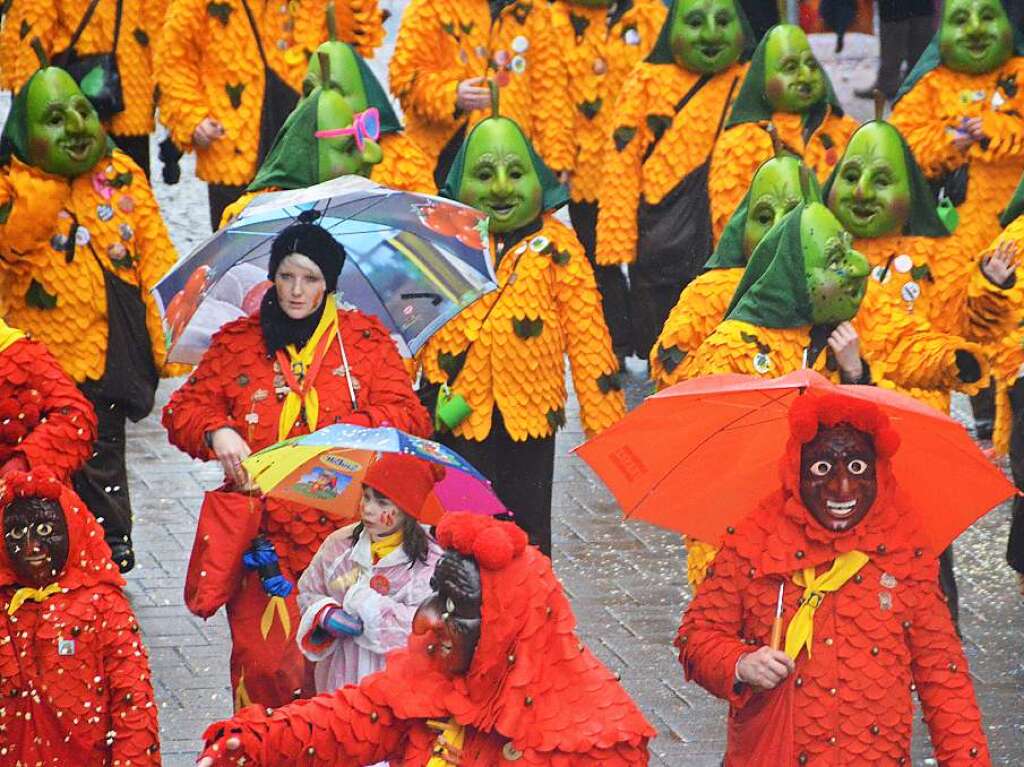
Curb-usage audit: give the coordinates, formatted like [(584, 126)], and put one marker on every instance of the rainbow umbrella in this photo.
[(323, 470)]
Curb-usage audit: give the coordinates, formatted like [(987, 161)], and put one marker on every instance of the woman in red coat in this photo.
[(301, 364), (74, 676), (44, 419), (866, 621)]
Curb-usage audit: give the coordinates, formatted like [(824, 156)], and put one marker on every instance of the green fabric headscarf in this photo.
[(932, 58), (752, 106), (376, 96), (773, 290), (661, 53), (924, 219), (728, 254), (555, 194), (293, 160)]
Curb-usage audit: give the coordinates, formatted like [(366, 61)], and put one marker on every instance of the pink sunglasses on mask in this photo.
[(365, 125)]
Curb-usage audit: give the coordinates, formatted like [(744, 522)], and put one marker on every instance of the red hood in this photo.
[(89, 561), (532, 680)]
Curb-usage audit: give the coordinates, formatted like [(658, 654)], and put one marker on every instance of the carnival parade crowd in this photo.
[(725, 216)]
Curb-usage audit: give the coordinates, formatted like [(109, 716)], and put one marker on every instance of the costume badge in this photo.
[(518, 64), (126, 204), (910, 292), (104, 212), (539, 244), (511, 753), (903, 263), (997, 100), (520, 44), (762, 363), (881, 275), (631, 36), (600, 66), (380, 584), (888, 580), (885, 600), (59, 243), (126, 232), (65, 646), (82, 237)]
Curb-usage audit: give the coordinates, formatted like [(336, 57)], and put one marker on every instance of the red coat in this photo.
[(234, 385), (44, 418), (884, 634), (74, 676)]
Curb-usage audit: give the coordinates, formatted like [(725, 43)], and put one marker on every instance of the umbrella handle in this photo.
[(344, 362)]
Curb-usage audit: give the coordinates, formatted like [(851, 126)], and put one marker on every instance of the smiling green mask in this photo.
[(871, 192), (706, 36), (341, 156), (793, 79), (499, 177), (976, 36), (64, 133), (836, 273), (774, 192)]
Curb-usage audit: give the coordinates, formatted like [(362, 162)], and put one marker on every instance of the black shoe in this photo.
[(123, 556), (865, 93)]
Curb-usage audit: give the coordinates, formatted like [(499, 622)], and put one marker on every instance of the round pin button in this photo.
[(911, 291), (903, 263), (520, 44)]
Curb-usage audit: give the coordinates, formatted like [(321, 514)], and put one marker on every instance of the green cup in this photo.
[(452, 409), (948, 214)]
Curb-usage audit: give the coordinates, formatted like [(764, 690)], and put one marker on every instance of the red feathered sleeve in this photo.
[(133, 712), (944, 682), (202, 404), (709, 639), (66, 424), (386, 398), (343, 729)]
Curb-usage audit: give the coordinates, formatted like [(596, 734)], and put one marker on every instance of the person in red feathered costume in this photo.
[(865, 620), (493, 674), (44, 419), (75, 688)]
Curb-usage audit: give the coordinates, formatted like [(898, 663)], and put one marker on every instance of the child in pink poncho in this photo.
[(360, 592)]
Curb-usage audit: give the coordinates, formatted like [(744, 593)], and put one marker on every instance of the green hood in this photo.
[(1015, 208), (376, 96), (932, 58), (728, 254), (924, 220), (662, 51), (14, 139), (752, 106), (773, 290), (293, 160), (555, 194)]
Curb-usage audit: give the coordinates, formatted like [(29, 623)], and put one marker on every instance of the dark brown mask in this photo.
[(36, 539), (837, 477)]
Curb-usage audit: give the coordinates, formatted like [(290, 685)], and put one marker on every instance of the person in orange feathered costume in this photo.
[(858, 591), (44, 418), (493, 674), (74, 677)]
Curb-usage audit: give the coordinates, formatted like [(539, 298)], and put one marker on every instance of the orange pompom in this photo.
[(492, 543)]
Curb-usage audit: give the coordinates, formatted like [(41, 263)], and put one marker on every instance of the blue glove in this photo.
[(339, 623), (262, 557)]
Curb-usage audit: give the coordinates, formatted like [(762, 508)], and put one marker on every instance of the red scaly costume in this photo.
[(883, 634), (44, 419), (534, 695), (92, 706), (236, 385)]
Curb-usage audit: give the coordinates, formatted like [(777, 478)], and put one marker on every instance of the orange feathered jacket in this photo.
[(742, 148), (237, 385), (533, 695), (547, 306), (208, 65), (599, 50), (645, 117), (44, 418), (74, 674), (55, 290), (54, 23), (442, 42), (884, 634)]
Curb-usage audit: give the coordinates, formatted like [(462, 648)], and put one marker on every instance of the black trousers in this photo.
[(900, 41), (1015, 544), (220, 196), (136, 147), (520, 472), (611, 282), (651, 301), (947, 581), (103, 481)]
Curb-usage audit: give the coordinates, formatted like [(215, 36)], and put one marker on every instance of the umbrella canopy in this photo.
[(413, 260), (699, 456), (323, 470)]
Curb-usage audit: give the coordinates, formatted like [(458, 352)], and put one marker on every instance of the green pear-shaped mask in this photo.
[(836, 273), (793, 79), (706, 36), (775, 191), (344, 69), (976, 36), (65, 136)]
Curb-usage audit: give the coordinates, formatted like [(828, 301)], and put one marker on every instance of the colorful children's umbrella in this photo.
[(698, 456), (414, 261), (323, 469)]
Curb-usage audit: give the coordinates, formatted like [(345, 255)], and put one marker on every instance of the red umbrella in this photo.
[(698, 456)]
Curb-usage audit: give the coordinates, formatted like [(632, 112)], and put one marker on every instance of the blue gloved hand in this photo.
[(339, 623), (262, 557)]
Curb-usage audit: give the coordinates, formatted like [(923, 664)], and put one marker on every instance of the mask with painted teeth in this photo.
[(36, 539), (706, 35), (976, 35), (793, 80), (838, 481), (65, 136)]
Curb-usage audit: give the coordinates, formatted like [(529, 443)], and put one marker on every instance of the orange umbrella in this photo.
[(698, 456)]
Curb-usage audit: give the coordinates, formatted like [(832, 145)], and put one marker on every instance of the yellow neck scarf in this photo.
[(8, 335), (302, 394), (448, 747), (800, 632), (21, 596), (384, 546)]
